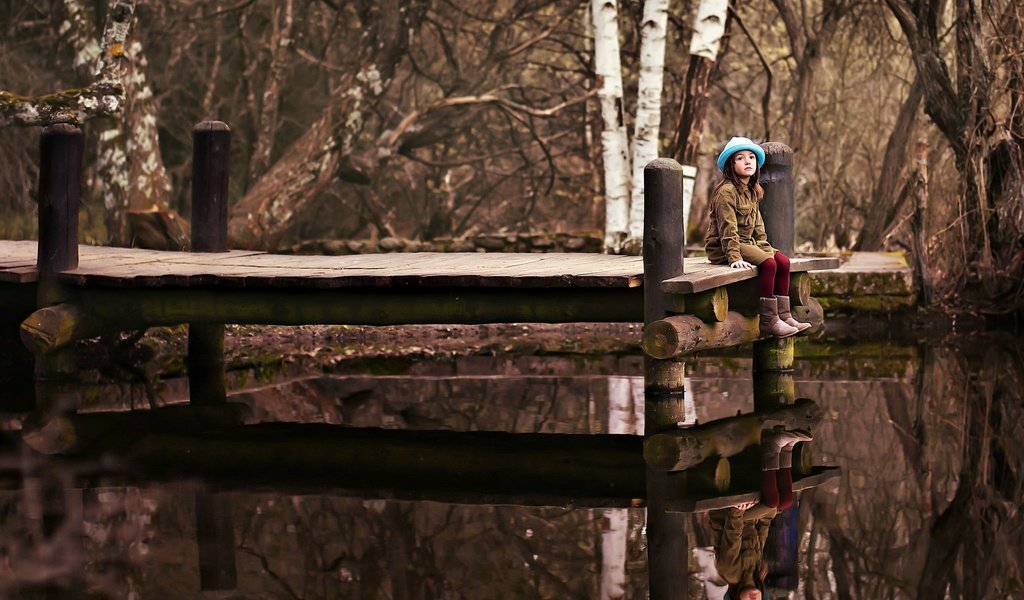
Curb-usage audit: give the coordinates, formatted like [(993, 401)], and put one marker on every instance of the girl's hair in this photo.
[(729, 176)]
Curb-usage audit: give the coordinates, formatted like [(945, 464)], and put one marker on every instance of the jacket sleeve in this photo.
[(760, 236), (727, 526), (723, 204)]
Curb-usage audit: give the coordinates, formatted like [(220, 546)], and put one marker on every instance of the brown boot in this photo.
[(770, 323), (787, 317)]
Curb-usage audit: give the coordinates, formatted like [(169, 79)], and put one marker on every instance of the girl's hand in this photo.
[(742, 264), (744, 506)]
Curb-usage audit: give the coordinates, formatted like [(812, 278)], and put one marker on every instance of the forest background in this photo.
[(431, 119)]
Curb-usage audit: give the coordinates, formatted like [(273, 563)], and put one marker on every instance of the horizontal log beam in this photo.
[(711, 306), (685, 334), (684, 448), (210, 443), (89, 311), (54, 327)]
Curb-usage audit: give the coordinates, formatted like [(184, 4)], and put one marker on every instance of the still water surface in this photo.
[(927, 505)]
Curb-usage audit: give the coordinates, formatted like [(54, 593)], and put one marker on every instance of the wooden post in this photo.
[(215, 534), (210, 169), (60, 191), (779, 212), (667, 547), (211, 162), (778, 209)]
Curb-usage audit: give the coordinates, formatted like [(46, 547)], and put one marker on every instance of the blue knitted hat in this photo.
[(735, 145)]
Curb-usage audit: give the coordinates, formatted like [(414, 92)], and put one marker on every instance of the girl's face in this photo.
[(744, 164)]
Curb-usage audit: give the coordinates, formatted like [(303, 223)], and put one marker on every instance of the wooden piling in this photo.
[(778, 209), (60, 192), (667, 546), (215, 535), (773, 389), (211, 162)]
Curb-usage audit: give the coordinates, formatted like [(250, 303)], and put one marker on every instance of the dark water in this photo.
[(927, 504)]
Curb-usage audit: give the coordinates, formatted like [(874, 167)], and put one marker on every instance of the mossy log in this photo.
[(711, 477), (94, 433), (54, 327), (711, 306), (684, 448), (685, 334)]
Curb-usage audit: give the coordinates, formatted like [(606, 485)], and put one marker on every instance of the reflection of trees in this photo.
[(322, 547), (57, 539), (933, 512)]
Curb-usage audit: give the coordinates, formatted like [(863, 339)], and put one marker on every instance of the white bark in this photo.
[(708, 28), (129, 169), (689, 178), (614, 140), (625, 416), (647, 127), (104, 96)]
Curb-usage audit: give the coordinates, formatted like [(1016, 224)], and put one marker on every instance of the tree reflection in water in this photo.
[(927, 506)]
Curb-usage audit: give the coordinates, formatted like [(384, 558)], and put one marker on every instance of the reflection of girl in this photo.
[(736, 235), (740, 531)]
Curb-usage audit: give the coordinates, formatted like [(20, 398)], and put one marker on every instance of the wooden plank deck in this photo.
[(700, 275), (819, 476), (137, 268)]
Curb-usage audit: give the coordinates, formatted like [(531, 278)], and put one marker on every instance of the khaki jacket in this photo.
[(735, 220), (739, 540)]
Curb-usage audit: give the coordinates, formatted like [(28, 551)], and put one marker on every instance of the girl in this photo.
[(740, 531), (736, 235)]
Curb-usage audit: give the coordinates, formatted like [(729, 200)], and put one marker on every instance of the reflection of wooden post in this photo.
[(779, 212), (773, 389), (215, 533), (664, 407), (210, 169)]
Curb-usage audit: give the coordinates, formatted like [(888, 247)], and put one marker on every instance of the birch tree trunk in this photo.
[(614, 140), (648, 108), (103, 95), (708, 30), (129, 171)]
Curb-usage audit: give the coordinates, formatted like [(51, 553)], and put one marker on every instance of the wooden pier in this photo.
[(131, 288), (68, 292)]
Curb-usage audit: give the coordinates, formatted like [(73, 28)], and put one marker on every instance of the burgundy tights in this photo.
[(777, 488), (773, 276)]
